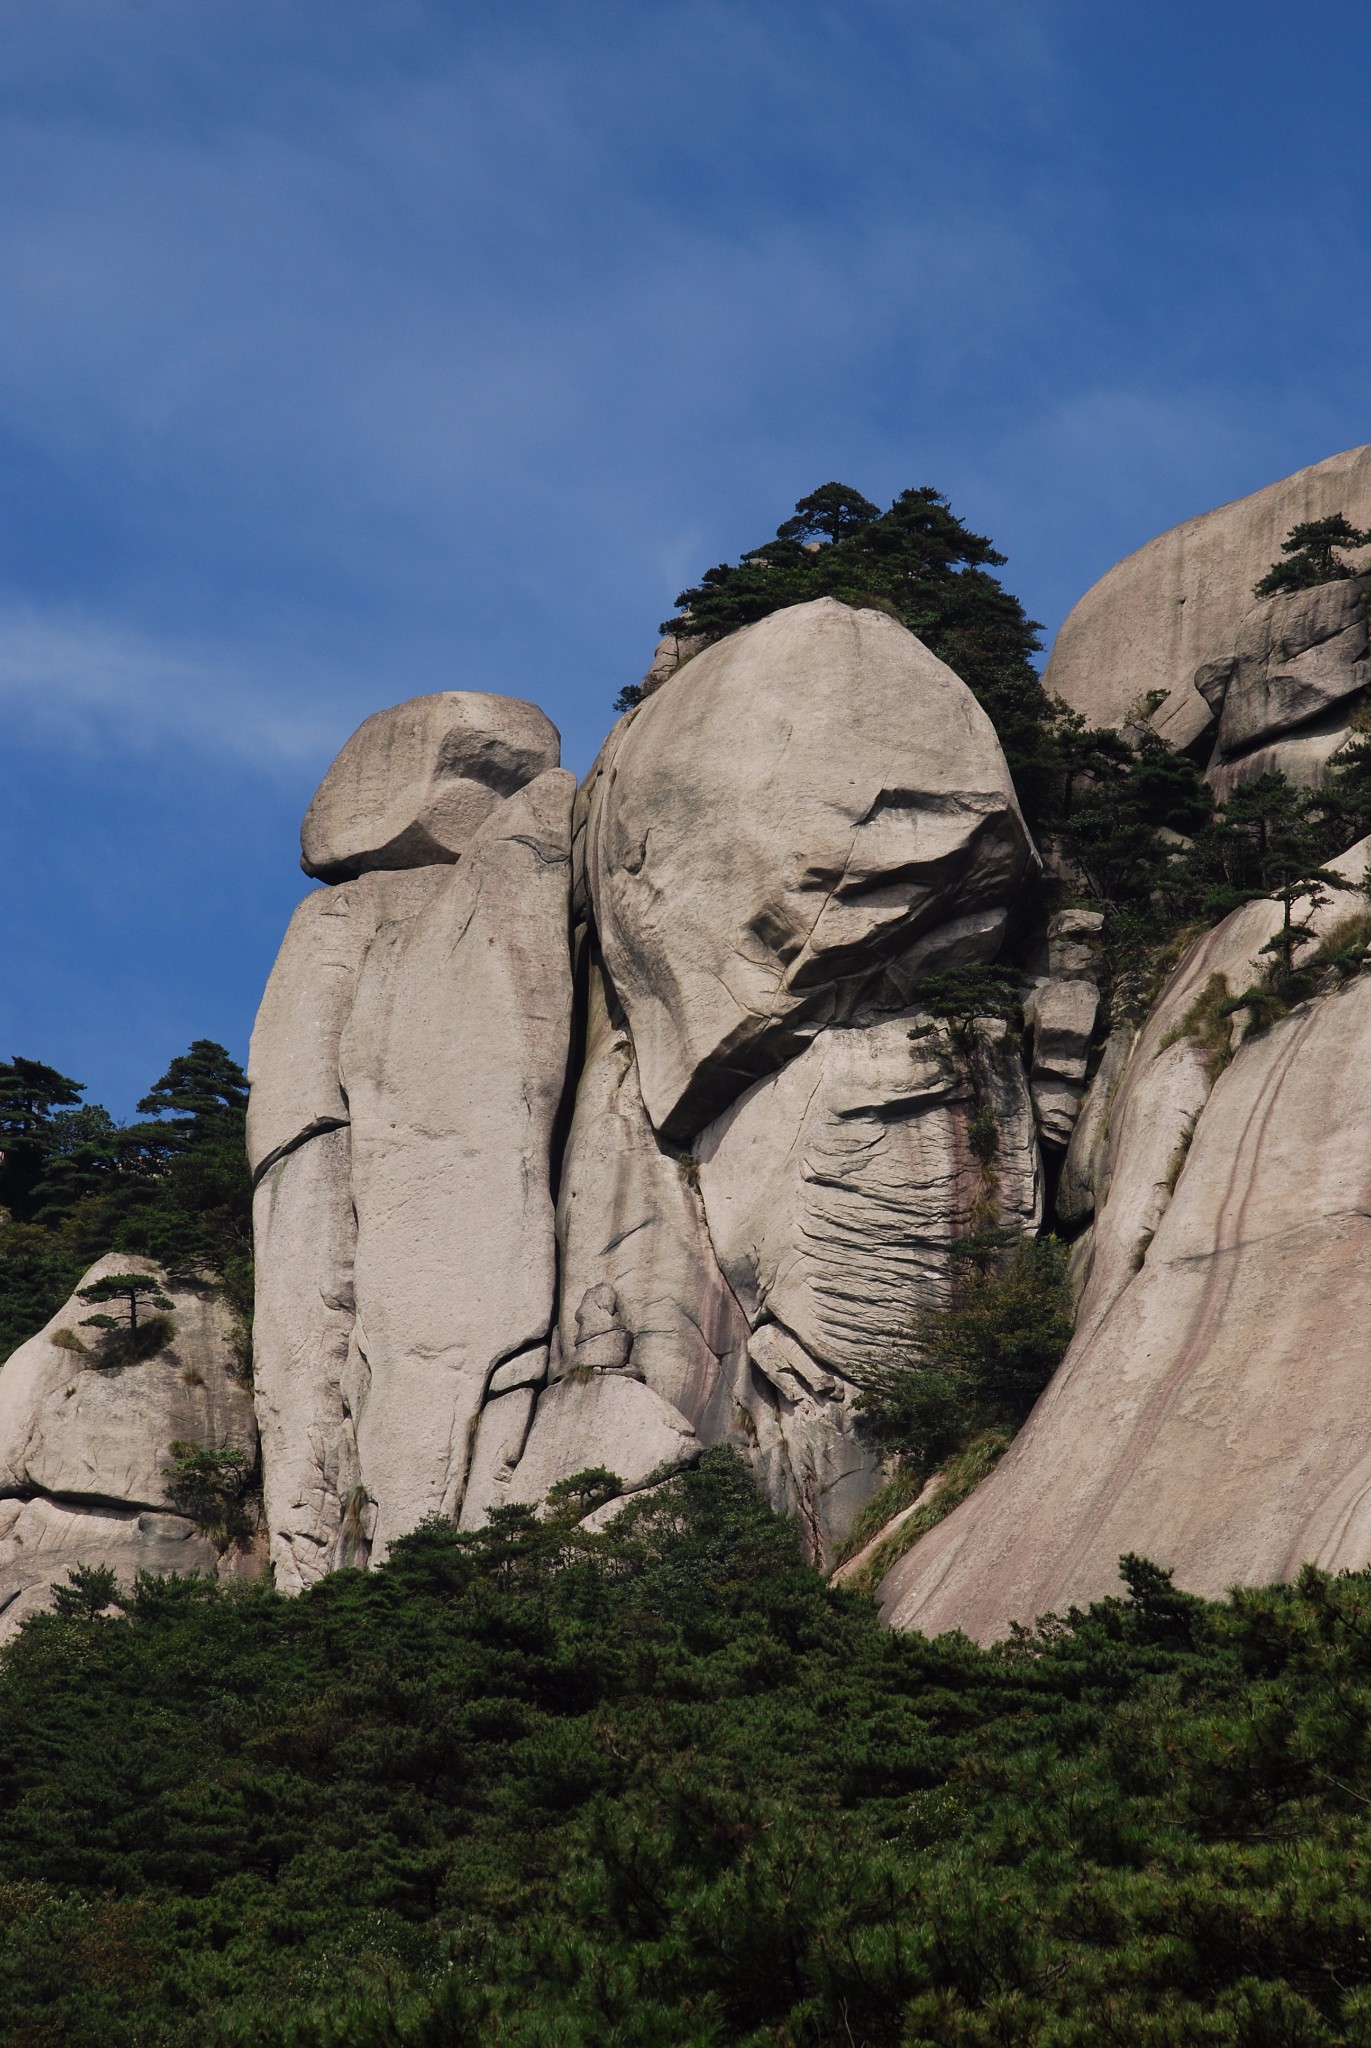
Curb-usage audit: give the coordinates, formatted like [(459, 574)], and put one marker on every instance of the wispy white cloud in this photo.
[(98, 687)]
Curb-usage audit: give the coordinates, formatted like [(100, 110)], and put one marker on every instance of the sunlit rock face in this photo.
[(408, 1067), (806, 818), (1214, 1409), (86, 1436), (1166, 622), (454, 1061), (415, 783)]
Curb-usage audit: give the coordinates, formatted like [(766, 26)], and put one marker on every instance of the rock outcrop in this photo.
[(86, 1435), (1168, 620), (834, 1188), (407, 1068), (1284, 696), (1214, 1410), (631, 1223), (768, 1143), (592, 1128), (816, 814), (415, 783)]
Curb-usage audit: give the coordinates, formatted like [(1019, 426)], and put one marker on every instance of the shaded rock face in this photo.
[(1214, 1410), (1285, 695), (813, 814), (1160, 620), (630, 1221), (85, 1441), (834, 1188)]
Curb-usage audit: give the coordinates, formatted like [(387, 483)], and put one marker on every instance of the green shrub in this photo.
[(215, 1489), (980, 1362)]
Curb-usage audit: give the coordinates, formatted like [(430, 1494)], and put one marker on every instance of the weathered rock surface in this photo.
[(84, 1444), (1178, 605), (810, 1459), (309, 1384), (1073, 945), (454, 1062), (1213, 1409), (1061, 1016), (296, 1089), (1296, 656), (500, 1435), (407, 1066), (1081, 1169), (601, 1419), (835, 1187), (42, 1540), (629, 1218), (816, 810), (1165, 1083), (1284, 697), (415, 783), (672, 651)]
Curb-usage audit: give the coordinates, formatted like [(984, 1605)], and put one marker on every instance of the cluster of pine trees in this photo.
[(74, 1184), (664, 1786), (1133, 824)]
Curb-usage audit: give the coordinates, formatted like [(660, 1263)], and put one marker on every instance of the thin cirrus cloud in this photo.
[(442, 347), (97, 688)]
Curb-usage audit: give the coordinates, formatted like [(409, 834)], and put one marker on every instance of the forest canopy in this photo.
[(665, 1786)]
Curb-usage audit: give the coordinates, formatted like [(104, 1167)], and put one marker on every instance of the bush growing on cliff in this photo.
[(664, 1786), (1311, 555), (981, 1362)]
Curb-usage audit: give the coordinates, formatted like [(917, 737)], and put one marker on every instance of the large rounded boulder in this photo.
[(808, 817)]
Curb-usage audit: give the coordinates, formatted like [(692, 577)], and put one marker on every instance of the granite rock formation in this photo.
[(405, 1237), (414, 783), (1213, 1411), (815, 816), (1159, 621), (86, 1435), (761, 1129), (591, 1128)]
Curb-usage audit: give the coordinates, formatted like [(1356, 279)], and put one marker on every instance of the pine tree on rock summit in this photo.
[(1312, 559)]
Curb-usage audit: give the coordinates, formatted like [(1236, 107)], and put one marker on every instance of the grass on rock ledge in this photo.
[(664, 1785)]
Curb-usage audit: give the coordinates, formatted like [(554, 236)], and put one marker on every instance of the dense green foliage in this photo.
[(981, 1362), (75, 1185), (1311, 555), (664, 1786), (918, 560)]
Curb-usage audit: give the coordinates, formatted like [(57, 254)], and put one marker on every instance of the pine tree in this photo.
[(919, 561), (1311, 549), (30, 1096), (831, 513), (129, 1289), (200, 1087)]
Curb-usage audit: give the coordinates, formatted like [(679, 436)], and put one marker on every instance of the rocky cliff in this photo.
[(88, 1423), (1173, 635), (504, 1235), (593, 1127)]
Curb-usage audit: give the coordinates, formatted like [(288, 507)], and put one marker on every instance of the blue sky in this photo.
[(351, 351)]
